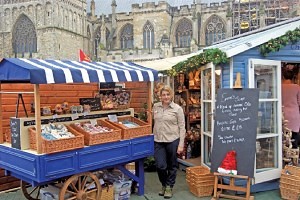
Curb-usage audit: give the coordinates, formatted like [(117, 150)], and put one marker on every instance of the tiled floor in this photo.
[(152, 186)]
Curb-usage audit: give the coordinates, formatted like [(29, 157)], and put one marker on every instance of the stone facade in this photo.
[(59, 28)]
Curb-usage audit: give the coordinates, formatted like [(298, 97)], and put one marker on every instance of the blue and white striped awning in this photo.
[(38, 71)]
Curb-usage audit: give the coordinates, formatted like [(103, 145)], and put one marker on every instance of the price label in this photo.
[(74, 116), (93, 122)]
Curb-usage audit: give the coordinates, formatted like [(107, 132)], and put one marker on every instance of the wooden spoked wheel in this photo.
[(84, 186), (31, 193)]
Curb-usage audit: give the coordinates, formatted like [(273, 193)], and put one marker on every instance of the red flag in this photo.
[(83, 56)]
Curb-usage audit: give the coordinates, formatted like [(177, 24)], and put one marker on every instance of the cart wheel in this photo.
[(84, 186), (31, 193)]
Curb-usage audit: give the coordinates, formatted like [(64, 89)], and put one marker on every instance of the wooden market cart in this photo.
[(74, 168)]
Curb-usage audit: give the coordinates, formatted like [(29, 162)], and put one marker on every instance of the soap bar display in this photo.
[(93, 129), (129, 124), (132, 127), (56, 138), (55, 131), (97, 132)]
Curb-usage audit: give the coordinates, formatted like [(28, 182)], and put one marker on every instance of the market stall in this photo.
[(41, 166), (257, 58)]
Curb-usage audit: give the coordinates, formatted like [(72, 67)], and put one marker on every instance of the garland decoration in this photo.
[(215, 56), (274, 45)]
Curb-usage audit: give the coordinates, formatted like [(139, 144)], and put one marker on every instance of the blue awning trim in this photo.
[(38, 71)]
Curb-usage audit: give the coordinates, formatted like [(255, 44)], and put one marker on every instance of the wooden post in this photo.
[(149, 113), (231, 187), (37, 118), (1, 118)]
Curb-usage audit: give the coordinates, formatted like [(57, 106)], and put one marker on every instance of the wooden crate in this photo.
[(100, 138), (54, 146), (127, 133)]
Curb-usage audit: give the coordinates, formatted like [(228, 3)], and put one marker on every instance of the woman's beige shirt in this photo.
[(169, 123)]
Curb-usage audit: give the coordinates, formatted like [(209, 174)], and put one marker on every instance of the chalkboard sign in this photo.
[(93, 102), (15, 133), (235, 128)]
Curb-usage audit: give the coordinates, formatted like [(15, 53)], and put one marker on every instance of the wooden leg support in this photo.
[(218, 188)]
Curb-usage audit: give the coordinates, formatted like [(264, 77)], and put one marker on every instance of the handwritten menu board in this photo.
[(235, 128), (15, 133), (93, 102)]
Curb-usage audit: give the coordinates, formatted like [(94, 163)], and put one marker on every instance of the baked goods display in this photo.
[(115, 100)]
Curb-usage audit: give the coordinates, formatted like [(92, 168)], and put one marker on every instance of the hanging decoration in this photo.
[(274, 45), (215, 56)]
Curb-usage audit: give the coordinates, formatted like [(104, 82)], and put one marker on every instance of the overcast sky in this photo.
[(104, 6)]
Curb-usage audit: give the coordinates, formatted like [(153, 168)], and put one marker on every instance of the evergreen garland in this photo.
[(215, 56), (274, 45)]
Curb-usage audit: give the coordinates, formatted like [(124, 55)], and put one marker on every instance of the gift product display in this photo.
[(188, 95), (55, 132), (132, 127), (56, 138), (97, 133), (111, 99)]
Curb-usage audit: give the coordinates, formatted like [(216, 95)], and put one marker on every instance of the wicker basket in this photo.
[(127, 133), (288, 193), (54, 146), (202, 190), (107, 193), (99, 138), (130, 166), (290, 182), (200, 181)]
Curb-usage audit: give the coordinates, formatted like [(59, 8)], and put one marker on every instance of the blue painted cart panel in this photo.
[(41, 169)]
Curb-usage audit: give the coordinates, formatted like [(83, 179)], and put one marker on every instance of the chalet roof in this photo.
[(241, 43)]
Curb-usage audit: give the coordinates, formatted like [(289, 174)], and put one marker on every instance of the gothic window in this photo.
[(184, 33), (126, 38), (214, 30), (97, 40), (148, 36), (24, 36)]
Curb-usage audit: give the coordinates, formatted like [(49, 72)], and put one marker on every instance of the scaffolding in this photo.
[(249, 15)]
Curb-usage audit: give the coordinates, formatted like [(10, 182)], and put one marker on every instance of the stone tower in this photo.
[(42, 29)]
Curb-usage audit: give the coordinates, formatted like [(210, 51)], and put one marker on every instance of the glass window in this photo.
[(266, 154), (265, 78), (206, 85), (148, 36), (207, 150), (126, 38), (215, 30), (24, 36), (184, 32)]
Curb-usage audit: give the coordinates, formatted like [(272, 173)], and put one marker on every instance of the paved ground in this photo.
[(152, 186)]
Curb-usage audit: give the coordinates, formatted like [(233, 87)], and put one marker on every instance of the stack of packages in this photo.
[(290, 182), (200, 181), (121, 184)]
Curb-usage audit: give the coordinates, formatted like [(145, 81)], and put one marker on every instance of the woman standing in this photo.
[(291, 103), (169, 133)]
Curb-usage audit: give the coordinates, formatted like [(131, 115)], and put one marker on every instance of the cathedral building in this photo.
[(57, 29)]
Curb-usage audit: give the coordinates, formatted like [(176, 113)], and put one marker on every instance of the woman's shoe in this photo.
[(162, 191), (168, 193)]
